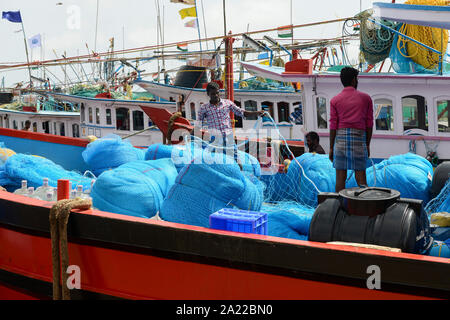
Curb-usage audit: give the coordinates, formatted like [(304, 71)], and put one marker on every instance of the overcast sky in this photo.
[(61, 30)]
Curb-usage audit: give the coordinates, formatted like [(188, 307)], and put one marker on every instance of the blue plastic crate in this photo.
[(239, 221)]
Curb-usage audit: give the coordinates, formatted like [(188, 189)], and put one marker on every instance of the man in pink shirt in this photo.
[(351, 122)]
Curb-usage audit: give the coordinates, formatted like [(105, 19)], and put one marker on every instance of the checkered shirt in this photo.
[(218, 117)]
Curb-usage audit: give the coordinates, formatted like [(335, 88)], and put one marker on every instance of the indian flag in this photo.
[(285, 32), (182, 46)]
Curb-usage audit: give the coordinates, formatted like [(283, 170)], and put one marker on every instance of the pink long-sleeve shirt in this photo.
[(351, 109)]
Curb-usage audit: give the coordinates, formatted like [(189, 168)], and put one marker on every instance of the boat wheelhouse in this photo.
[(411, 112)]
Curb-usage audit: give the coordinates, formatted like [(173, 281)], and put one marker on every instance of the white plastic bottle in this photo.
[(49, 196), (41, 192), (23, 190), (79, 193), (31, 193), (87, 193), (73, 194)]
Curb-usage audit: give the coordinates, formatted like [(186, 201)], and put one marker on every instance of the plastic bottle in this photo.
[(87, 193), (23, 190), (80, 193), (73, 194), (31, 193), (41, 192), (50, 196)]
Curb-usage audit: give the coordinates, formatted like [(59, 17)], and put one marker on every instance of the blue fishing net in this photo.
[(410, 174), (34, 169), (110, 152), (441, 203), (205, 186), (288, 220), (136, 188)]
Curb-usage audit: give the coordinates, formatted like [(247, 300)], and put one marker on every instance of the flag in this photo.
[(35, 41), (190, 2), (285, 32), (188, 12), (182, 46), (12, 16), (191, 24)]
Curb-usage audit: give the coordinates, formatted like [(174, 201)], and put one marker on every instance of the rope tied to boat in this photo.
[(59, 217), (170, 128)]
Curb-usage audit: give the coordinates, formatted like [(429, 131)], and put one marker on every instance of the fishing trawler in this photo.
[(128, 257)]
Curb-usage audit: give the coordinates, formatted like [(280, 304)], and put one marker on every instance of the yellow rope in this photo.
[(433, 37)]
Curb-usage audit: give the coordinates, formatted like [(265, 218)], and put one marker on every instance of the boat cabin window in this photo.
[(62, 131), (6, 122), (14, 124), (108, 116), (97, 115), (383, 114), (82, 113), (90, 115), (193, 113), (283, 111), (251, 105), (22, 125), (55, 131), (34, 126), (75, 130), (443, 115), (138, 120), (297, 115), (46, 126), (268, 106), (123, 119), (415, 114), (322, 118)]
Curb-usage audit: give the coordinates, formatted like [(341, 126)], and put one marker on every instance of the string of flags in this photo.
[(184, 13)]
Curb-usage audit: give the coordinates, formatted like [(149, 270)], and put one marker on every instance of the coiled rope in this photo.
[(433, 37), (59, 216)]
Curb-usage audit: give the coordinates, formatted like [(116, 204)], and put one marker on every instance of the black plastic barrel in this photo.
[(6, 97), (402, 225), (191, 77), (440, 176)]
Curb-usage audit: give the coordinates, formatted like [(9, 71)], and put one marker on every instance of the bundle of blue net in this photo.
[(410, 174), (136, 188), (207, 185), (288, 219), (441, 203), (34, 169), (110, 152), (307, 175)]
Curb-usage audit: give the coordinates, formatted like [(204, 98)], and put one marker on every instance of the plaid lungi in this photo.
[(350, 150)]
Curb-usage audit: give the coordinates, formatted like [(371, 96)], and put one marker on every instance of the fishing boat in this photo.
[(116, 256), (124, 257)]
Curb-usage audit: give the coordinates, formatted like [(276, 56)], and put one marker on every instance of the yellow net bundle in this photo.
[(435, 38)]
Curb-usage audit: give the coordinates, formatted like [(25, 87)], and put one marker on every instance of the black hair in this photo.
[(347, 76), (212, 85), (28, 122), (313, 135)]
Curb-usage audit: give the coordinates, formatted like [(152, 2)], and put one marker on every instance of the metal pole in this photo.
[(198, 30), (224, 20), (96, 26), (26, 51)]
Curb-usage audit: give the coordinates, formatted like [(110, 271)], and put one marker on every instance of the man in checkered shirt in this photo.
[(217, 116)]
